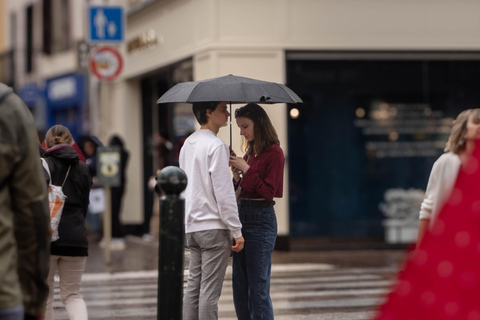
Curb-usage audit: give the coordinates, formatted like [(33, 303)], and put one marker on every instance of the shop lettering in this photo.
[(62, 89)]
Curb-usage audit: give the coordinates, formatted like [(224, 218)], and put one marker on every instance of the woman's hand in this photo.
[(239, 163)]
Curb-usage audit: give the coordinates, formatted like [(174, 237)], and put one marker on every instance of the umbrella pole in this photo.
[(231, 147)]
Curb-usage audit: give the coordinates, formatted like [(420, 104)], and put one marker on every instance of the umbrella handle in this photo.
[(231, 147)]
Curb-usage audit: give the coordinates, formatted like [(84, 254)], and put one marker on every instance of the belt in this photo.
[(256, 203)]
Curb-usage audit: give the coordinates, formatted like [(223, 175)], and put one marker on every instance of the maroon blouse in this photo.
[(264, 178)]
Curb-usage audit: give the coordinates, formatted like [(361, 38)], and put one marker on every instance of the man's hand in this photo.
[(236, 174), (239, 242), (232, 153)]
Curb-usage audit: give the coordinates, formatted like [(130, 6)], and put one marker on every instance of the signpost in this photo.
[(108, 173), (106, 24), (106, 63)]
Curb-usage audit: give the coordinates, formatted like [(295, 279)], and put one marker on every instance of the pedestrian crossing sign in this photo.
[(106, 24)]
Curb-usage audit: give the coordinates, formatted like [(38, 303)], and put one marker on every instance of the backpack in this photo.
[(56, 201)]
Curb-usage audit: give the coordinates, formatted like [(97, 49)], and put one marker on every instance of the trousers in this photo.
[(252, 266), (209, 255), (70, 271), (15, 313)]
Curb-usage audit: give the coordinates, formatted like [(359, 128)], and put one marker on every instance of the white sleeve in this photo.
[(223, 190), (431, 194)]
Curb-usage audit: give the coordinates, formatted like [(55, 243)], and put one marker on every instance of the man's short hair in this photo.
[(200, 110)]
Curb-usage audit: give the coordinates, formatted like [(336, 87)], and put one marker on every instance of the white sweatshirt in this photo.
[(209, 197), (440, 185)]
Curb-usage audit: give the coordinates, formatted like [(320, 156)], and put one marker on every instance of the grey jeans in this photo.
[(209, 255)]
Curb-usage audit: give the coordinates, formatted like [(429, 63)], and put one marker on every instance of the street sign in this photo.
[(108, 166), (106, 24), (106, 63), (83, 52)]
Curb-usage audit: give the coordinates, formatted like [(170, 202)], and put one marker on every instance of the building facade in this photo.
[(381, 82)]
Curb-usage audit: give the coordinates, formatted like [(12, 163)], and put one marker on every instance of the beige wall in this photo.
[(189, 27), (122, 116), (250, 38)]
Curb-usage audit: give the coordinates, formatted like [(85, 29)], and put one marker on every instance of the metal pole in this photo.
[(107, 229), (172, 180)]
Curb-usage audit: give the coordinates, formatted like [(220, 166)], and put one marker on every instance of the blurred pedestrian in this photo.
[(75, 146), (259, 174), (460, 145), (24, 214), (118, 230), (97, 193), (68, 253), (153, 234), (210, 212)]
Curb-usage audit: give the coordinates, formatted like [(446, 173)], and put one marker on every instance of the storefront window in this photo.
[(368, 126)]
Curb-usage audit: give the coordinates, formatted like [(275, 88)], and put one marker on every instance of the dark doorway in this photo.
[(158, 122)]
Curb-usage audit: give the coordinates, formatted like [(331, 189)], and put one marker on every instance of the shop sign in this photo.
[(108, 166), (62, 88), (30, 93), (106, 63), (65, 91), (144, 41)]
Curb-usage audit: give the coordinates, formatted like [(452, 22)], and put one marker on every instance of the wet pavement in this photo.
[(143, 255), (305, 285)]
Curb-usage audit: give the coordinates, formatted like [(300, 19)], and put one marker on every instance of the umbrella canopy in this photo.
[(233, 89)]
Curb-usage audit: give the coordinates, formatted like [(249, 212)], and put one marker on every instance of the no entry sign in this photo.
[(106, 63)]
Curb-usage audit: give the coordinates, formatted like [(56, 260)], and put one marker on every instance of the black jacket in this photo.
[(71, 230)]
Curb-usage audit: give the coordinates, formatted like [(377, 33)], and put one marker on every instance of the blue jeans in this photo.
[(15, 313), (252, 266)]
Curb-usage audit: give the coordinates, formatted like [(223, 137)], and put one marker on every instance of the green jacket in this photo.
[(24, 213)]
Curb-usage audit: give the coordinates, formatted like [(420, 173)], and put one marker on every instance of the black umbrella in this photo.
[(232, 89)]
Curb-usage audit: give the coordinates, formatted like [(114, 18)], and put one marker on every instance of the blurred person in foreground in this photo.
[(465, 132), (68, 253), (211, 212), (24, 214), (259, 176), (441, 278)]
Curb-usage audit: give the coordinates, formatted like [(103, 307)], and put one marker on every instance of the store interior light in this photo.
[(393, 136), (294, 113), (360, 112)]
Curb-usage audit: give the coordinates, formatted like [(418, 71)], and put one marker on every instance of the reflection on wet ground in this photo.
[(305, 285)]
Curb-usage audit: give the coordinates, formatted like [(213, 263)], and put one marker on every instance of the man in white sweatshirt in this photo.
[(211, 212)]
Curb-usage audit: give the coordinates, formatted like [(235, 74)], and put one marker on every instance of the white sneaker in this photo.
[(117, 244), (147, 237)]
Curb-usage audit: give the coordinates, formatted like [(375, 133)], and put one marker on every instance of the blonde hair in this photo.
[(58, 134), (456, 141)]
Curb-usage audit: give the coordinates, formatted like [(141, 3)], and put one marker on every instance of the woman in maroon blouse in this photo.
[(259, 175)]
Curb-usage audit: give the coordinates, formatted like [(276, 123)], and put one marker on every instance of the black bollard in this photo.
[(172, 180)]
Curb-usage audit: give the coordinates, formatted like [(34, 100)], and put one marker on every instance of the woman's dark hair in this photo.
[(58, 134), (116, 141), (200, 110), (264, 133)]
